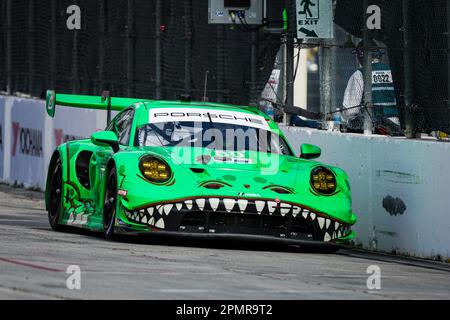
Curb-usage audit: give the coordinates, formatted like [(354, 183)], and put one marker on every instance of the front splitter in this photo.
[(232, 237)]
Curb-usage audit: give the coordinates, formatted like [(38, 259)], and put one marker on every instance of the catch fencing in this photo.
[(138, 48)]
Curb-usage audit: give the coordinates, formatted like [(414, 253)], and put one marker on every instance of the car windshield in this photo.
[(211, 135)]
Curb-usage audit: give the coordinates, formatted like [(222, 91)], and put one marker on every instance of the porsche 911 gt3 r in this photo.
[(194, 168)]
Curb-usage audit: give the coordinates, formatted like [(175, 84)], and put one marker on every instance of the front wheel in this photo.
[(110, 204), (55, 195)]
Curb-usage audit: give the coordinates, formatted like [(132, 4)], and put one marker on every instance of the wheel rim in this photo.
[(55, 194), (110, 202)]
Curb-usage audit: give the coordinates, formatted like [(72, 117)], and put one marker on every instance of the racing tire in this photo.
[(110, 204), (55, 195)]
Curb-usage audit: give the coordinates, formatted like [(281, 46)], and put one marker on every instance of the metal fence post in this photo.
[(254, 61), (220, 62), (101, 45), (367, 72), (158, 13), (53, 41), (325, 79), (409, 121), (448, 55), (292, 31), (9, 86), (30, 44), (187, 45), (130, 48)]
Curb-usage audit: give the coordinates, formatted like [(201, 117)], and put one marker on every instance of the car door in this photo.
[(121, 126)]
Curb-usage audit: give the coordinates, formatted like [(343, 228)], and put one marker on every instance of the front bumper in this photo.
[(233, 216)]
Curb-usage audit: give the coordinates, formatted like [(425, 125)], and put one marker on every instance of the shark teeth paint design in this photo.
[(200, 203), (272, 205), (285, 209), (242, 205), (321, 222), (168, 208), (160, 224), (305, 213), (330, 229), (229, 204), (189, 204), (260, 206), (214, 202), (296, 211)]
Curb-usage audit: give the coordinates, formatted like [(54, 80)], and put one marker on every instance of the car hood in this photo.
[(239, 169)]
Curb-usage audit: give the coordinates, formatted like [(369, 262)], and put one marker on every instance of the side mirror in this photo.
[(105, 138), (309, 151)]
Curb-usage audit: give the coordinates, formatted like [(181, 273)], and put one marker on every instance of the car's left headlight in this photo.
[(323, 180), (155, 169)]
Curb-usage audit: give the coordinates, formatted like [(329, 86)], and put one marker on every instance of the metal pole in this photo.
[(187, 45), (448, 55), (254, 61), (407, 67), (281, 62), (325, 80), (31, 47), (101, 45), (158, 49), (290, 7), (130, 48), (9, 86), (53, 36), (220, 63), (367, 72)]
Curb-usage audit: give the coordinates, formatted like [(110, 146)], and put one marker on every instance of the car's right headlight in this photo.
[(155, 169)]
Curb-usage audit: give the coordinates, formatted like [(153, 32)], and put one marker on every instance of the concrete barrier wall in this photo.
[(29, 137), (401, 190), (400, 187)]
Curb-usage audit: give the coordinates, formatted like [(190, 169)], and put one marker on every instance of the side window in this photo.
[(124, 127), (121, 126)]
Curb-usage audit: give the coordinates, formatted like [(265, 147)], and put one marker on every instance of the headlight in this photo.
[(323, 180), (155, 169)]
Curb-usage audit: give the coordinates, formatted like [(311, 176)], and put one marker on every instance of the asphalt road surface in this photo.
[(34, 260)]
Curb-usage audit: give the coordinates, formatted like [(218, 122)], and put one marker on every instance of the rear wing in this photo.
[(103, 102)]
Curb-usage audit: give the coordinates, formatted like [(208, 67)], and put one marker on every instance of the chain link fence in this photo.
[(143, 48), (161, 49), (392, 79)]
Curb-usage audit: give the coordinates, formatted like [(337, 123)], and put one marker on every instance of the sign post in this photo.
[(314, 19)]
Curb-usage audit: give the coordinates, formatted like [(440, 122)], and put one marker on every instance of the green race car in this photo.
[(194, 168)]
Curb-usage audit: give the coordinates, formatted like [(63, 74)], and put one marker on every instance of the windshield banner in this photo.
[(160, 115)]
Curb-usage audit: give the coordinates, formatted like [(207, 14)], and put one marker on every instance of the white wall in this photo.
[(29, 137), (416, 172)]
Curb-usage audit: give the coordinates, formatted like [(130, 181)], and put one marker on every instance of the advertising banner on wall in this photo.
[(27, 143), (75, 124)]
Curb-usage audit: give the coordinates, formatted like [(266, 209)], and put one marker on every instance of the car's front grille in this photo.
[(245, 216), (253, 224)]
